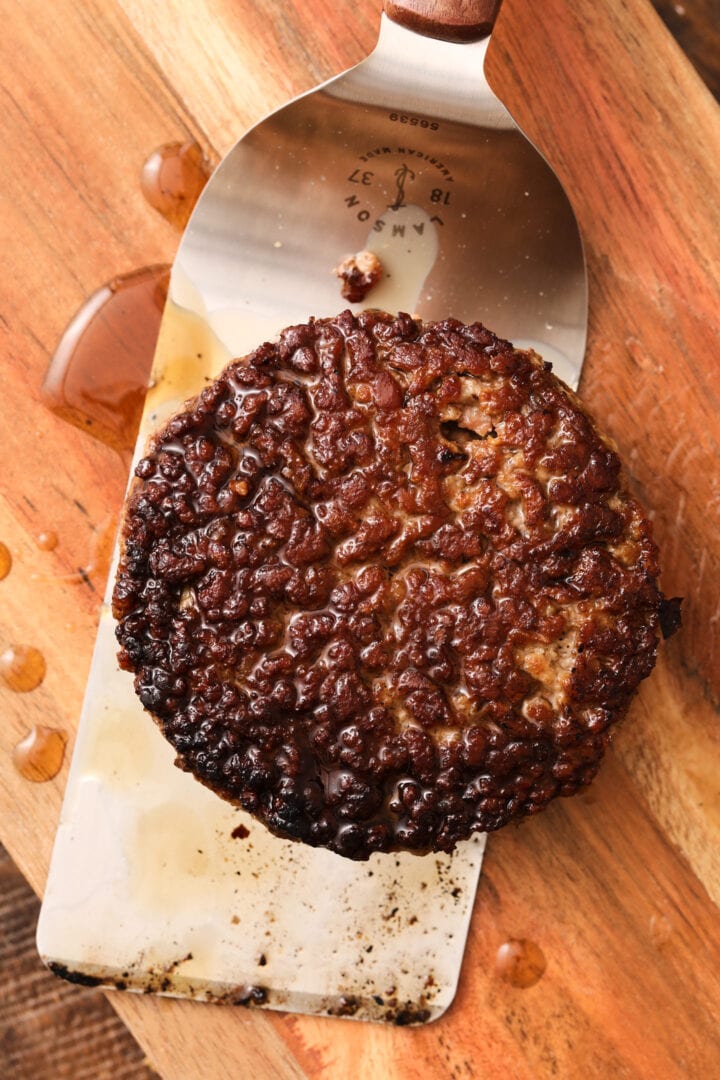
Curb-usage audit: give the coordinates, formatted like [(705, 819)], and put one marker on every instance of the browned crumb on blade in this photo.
[(383, 585), (359, 274)]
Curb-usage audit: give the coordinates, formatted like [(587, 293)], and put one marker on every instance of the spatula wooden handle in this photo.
[(449, 20)]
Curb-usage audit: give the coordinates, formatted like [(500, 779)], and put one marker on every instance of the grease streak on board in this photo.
[(99, 371), (102, 543), (98, 375)]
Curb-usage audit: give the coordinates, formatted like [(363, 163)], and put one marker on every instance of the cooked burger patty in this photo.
[(383, 586)]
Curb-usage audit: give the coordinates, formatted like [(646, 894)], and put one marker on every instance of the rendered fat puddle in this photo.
[(149, 891)]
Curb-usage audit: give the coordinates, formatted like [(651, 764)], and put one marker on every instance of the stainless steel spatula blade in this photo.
[(412, 156)]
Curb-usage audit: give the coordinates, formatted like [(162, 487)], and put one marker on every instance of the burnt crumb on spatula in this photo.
[(359, 274)]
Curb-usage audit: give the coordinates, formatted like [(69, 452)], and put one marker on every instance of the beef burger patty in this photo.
[(382, 585)]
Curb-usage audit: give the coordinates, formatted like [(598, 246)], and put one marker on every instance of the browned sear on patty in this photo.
[(383, 586)]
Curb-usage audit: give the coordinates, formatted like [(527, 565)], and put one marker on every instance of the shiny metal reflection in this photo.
[(411, 155)]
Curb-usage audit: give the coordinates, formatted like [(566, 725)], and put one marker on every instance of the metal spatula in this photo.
[(409, 155)]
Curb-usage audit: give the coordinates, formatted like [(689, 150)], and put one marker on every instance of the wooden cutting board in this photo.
[(618, 887)]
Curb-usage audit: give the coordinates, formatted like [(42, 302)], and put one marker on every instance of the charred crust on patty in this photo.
[(382, 585)]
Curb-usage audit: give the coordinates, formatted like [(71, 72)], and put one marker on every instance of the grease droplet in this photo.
[(520, 962), (173, 178), (39, 756), (47, 541), (660, 930), (22, 668), (95, 568), (99, 372), (5, 561)]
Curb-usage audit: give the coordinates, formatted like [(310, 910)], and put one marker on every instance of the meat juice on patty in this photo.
[(382, 585)]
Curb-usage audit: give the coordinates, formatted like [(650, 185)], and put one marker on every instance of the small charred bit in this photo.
[(359, 274), (249, 995), (347, 1005), (406, 1017), (382, 585), (78, 977), (240, 832), (164, 980), (670, 615)]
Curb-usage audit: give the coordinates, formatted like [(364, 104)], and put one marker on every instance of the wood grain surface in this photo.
[(616, 886), (50, 1027), (695, 25)]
